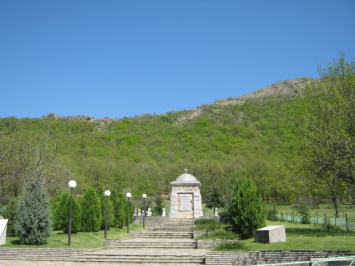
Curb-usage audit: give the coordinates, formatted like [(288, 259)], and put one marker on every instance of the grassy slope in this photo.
[(80, 240)]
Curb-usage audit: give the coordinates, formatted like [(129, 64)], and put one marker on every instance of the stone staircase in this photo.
[(174, 234), (170, 243)]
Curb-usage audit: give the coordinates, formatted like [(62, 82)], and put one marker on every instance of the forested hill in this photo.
[(251, 135)]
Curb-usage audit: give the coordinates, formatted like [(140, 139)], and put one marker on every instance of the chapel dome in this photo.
[(186, 178)]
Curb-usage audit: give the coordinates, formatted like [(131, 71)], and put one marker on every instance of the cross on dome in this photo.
[(186, 170)]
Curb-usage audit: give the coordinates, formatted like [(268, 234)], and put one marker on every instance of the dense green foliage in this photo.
[(107, 209), (91, 207), (159, 205), (294, 148), (33, 219), (144, 154), (119, 210), (60, 211), (327, 120), (60, 206), (247, 211)]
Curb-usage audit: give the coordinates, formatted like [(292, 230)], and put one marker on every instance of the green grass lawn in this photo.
[(301, 236), (322, 209), (298, 236), (81, 240)]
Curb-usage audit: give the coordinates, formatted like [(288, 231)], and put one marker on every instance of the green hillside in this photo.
[(217, 143), (261, 135)]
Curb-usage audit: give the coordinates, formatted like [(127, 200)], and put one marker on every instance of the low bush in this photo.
[(207, 224), (225, 246), (218, 234)]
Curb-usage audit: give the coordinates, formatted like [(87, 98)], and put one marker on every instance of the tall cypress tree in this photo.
[(91, 208), (60, 213), (119, 209), (110, 209), (247, 211), (33, 219)]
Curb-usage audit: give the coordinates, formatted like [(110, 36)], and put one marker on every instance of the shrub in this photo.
[(272, 214), (207, 224), (218, 234), (228, 245), (159, 205), (303, 210), (247, 211)]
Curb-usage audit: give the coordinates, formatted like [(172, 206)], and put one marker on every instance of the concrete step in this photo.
[(166, 228), (51, 254), (156, 245), (146, 258), (42, 251), (163, 234)]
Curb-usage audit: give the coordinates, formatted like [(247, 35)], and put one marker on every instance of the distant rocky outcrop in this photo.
[(290, 88), (283, 88)]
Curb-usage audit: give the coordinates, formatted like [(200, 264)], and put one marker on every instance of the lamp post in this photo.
[(107, 194), (128, 195), (72, 185), (144, 196)]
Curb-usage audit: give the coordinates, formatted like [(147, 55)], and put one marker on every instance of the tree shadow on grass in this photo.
[(16, 242)]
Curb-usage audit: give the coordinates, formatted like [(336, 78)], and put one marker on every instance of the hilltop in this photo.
[(288, 88), (253, 134)]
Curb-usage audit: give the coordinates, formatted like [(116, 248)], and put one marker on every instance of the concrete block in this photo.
[(3, 226), (271, 234)]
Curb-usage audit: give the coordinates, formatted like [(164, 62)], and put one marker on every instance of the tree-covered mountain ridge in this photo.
[(252, 135)]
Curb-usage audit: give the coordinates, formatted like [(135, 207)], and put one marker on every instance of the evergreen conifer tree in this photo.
[(91, 211), (119, 209), (76, 216), (159, 205), (247, 211), (58, 208), (33, 219), (214, 199), (110, 209)]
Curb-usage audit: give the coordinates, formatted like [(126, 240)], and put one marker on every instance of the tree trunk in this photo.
[(335, 204)]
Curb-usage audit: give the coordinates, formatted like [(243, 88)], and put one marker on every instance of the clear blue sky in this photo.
[(123, 58)]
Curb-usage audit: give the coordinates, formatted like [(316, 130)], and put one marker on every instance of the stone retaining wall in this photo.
[(268, 257)]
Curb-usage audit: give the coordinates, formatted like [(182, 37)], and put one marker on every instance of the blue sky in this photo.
[(124, 58)]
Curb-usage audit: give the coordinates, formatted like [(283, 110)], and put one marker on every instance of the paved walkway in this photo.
[(70, 263)]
